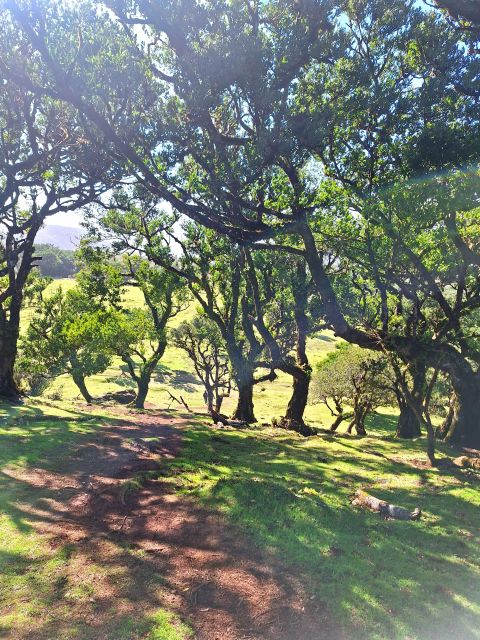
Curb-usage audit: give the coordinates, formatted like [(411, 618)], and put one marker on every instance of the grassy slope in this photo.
[(43, 585), (379, 579), (174, 374)]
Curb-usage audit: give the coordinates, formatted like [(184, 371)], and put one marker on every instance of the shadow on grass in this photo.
[(31, 436), (389, 579), (377, 578), (180, 379), (324, 337), (109, 562), (48, 586)]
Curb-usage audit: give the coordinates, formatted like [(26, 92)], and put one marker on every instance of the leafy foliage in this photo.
[(55, 262), (67, 334), (352, 377)]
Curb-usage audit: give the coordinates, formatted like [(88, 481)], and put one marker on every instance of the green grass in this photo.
[(51, 591), (291, 496), (378, 579)]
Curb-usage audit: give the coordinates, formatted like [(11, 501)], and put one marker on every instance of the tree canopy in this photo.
[(345, 134)]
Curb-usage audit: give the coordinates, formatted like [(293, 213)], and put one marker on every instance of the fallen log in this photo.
[(366, 501), (466, 462), (223, 420)]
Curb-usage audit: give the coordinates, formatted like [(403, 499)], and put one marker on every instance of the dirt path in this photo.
[(161, 549)]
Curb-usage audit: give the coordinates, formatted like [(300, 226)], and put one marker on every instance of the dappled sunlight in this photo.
[(293, 497), (240, 396), (110, 553)]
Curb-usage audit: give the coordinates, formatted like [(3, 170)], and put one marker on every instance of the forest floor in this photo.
[(135, 556), (123, 525)]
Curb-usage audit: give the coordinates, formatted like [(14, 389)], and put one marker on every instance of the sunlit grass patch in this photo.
[(378, 578)]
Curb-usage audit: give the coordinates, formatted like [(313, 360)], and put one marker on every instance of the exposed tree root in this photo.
[(467, 463), (225, 420), (294, 425)]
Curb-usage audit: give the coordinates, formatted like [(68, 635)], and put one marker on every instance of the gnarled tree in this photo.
[(200, 338)]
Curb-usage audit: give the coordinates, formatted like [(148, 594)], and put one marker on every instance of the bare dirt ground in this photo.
[(152, 548)]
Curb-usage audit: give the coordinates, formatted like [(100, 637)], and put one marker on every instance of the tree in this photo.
[(248, 124), (408, 425), (352, 383), (465, 11), (55, 262), (201, 340), (47, 166), (213, 269), (421, 408), (66, 336), (138, 336), (404, 271), (281, 298), (222, 278)]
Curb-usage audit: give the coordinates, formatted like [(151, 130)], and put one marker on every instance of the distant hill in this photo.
[(59, 236)]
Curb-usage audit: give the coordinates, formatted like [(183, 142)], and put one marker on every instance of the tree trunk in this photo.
[(360, 427), (8, 386), (360, 412), (338, 421), (444, 429), (142, 392), (408, 425), (244, 408), (298, 401), (293, 418), (359, 423), (10, 317), (465, 428), (208, 397), (79, 380), (218, 403), (8, 352), (243, 374)]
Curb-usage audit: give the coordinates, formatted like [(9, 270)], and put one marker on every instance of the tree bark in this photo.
[(8, 352), (142, 392), (79, 380), (9, 332), (465, 428), (293, 418), (363, 499), (302, 370), (462, 10), (208, 397), (298, 401), (360, 426), (445, 427), (360, 412), (243, 374), (338, 421), (408, 425), (244, 409), (218, 402)]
